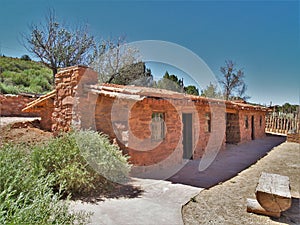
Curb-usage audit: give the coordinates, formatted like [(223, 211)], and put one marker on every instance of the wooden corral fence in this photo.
[(282, 124)]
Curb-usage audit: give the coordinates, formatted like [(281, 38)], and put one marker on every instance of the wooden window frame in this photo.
[(246, 119), (260, 121), (158, 126), (208, 122)]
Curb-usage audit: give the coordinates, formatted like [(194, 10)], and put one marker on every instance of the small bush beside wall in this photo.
[(80, 160), (27, 197), (33, 179)]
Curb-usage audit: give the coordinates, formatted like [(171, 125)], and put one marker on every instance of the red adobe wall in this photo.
[(216, 138), (12, 105), (46, 115), (130, 123), (259, 128)]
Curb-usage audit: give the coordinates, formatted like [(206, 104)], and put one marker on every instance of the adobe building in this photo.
[(152, 126)]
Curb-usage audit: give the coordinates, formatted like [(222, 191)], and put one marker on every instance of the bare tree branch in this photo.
[(56, 46), (114, 58), (232, 81)]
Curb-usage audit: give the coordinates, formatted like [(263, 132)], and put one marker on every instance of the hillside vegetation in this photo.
[(27, 76)]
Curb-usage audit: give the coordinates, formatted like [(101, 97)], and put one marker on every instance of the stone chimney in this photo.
[(72, 105)]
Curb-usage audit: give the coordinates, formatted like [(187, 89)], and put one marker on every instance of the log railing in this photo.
[(282, 124)]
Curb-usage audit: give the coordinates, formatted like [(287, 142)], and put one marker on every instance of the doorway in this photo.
[(187, 135), (233, 135), (252, 128)]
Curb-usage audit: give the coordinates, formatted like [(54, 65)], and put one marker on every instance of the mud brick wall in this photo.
[(259, 125), (46, 115), (12, 105), (213, 140), (233, 134), (293, 138), (130, 123), (147, 151), (71, 103)]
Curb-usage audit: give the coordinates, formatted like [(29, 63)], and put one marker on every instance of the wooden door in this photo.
[(187, 135)]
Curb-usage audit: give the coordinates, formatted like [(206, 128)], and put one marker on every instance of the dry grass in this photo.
[(226, 203)]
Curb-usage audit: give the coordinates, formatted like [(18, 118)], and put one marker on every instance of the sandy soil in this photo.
[(226, 203), (9, 120), (22, 130)]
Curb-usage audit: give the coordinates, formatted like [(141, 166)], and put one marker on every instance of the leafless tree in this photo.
[(113, 57), (232, 81), (58, 46)]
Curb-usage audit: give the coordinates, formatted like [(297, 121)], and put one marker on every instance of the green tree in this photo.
[(59, 46), (170, 82), (232, 81), (26, 57), (211, 91), (192, 90), (167, 75), (288, 108), (134, 74)]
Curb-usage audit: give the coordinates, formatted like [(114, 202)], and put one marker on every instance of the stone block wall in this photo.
[(12, 105), (71, 103)]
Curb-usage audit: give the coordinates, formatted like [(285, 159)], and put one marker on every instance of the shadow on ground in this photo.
[(227, 164), (114, 191), (292, 215)]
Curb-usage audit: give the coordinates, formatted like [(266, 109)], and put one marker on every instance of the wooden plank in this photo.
[(273, 192), (253, 206)]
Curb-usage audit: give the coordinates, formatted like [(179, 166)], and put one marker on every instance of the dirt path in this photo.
[(226, 202), (159, 203), (227, 164)]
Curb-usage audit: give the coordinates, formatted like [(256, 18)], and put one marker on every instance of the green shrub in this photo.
[(24, 76), (8, 89), (105, 158), (79, 160), (27, 197)]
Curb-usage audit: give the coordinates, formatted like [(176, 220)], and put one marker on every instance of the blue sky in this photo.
[(262, 37)]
